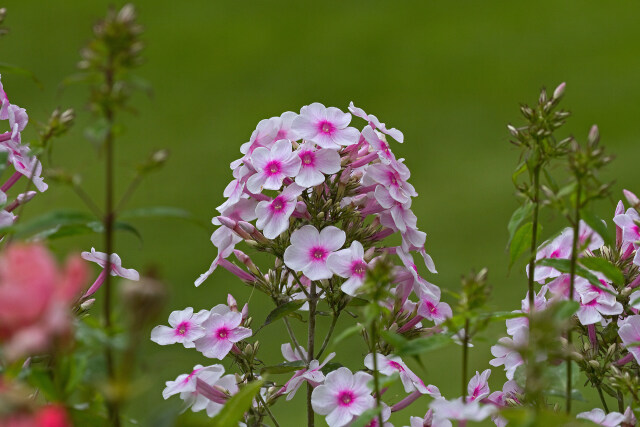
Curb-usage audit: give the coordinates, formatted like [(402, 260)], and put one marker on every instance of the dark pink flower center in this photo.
[(318, 253), (282, 134), (326, 127), (278, 204), (222, 333), (345, 398), (182, 329), (308, 158), (273, 168), (396, 366), (358, 268), (393, 179)]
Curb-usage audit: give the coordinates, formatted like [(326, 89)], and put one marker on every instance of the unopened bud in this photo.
[(594, 364), (245, 313), (594, 135), (631, 198), (557, 94), (513, 130), (248, 350), (320, 215), (231, 302), (87, 304)]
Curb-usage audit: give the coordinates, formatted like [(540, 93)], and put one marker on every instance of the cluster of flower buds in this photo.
[(19, 156)]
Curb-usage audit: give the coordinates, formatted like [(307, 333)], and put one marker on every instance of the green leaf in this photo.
[(556, 378), (234, 409), (564, 266), (358, 302), (281, 311), (366, 417), (40, 378), (522, 167), (53, 220), (598, 226), (283, 368), (521, 242), (519, 215), (605, 267)]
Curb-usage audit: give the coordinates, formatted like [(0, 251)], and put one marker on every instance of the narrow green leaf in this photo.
[(521, 242), (233, 411), (395, 340), (598, 226), (283, 368), (519, 215), (602, 265), (281, 311)]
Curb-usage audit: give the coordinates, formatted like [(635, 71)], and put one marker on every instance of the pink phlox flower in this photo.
[(283, 125), (310, 249), (417, 281), (629, 331), (186, 327), (478, 387), (375, 123), (327, 127), (234, 191), (397, 216), (560, 247), (263, 136), (629, 418), (430, 307), (506, 352), (292, 354), (244, 209), (18, 120), (187, 382), (4, 100), (540, 303), (561, 285), (634, 300), (510, 395), (349, 264), (598, 416), (629, 222), (315, 164), (225, 240), (587, 236), (631, 197), (224, 386), (273, 215), (389, 365), (313, 375), (461, 411), (117, 269), (594, 303), (342, 396), (379, 144), (393, 180), (273, 166), (222, 331)]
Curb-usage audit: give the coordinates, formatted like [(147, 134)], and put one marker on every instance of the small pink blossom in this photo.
[(397, 216), (506, 352), (327, 127), (222, 331), (389, 365), (540, 303), (263, 136), (461, 411), (315, 164), (310, 249), (595, 302), (430, 307), (313, 375), (629, 331), (375, 123), (292, 354), (18, 120), (349, 264), (100, 258), (392, 180), (478, 387), (631, 198), (273, 166), (186, 327), (187, 382), (380, 146), (342, 396), (273, 215), (598, 416), (629, 222)]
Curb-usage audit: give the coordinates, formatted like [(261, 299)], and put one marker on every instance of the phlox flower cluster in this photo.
[(19, 156)]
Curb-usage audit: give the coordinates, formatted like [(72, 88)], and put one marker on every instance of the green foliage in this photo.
[(281, 311), (233, 411)]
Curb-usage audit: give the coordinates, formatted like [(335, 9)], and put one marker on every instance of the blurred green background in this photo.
[(450, 75)]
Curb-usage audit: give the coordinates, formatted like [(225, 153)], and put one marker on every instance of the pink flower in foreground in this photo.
[(36, 298), (273, 166), (342, 396), (598, 416), (186, 327), (349, 263), (478, 387), (327, 127), (273, 215), (629, 331), (310, 249), (375, 123), (222, 331), (389, 365), (430, 307), (316, 164)]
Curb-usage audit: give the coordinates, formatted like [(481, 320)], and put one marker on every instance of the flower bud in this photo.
[(594, 135), (557, 94), (631, 198), (231, 302)]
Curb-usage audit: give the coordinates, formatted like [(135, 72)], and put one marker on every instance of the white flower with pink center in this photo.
[(430, 307), (375, 123), (629, 331), (222, 331), (389, 365), (100, 258), (392, 180), (342, 396), (283, 125), (186, 327), (595, 302), (598, 416), (349, 263), (478, 387), (273, 166), (560, 247), (327, 127), (380, 146), (273, 215), (310, 249), (315, 164), (263, 136)]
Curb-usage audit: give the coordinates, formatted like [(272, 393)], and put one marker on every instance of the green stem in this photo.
[(310, 348), (325, 343), (376, 384), (604, 402), (620, 399), (293, 336), (572, 272), (465, 359), (266, 408)]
